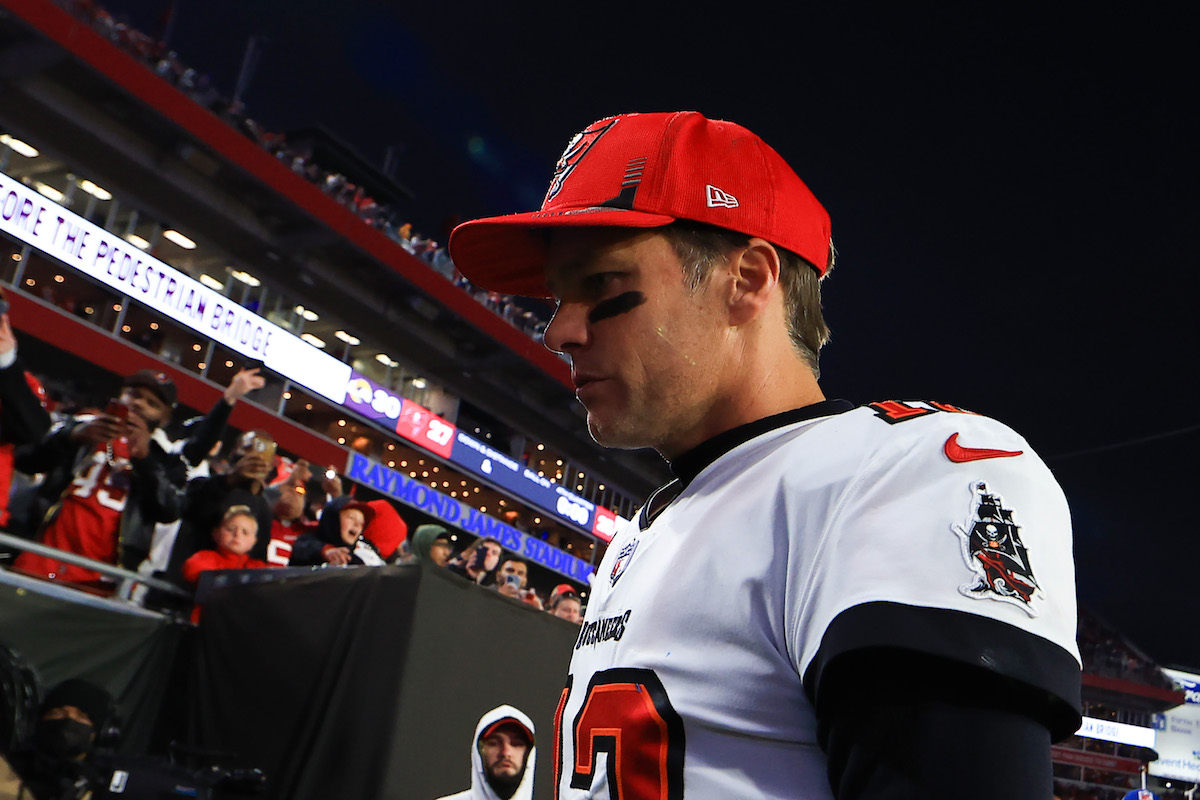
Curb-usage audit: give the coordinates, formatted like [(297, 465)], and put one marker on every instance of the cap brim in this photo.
[(504, 254), (490, 729)]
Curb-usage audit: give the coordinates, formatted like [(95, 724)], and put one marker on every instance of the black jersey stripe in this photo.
[(1033, 673)]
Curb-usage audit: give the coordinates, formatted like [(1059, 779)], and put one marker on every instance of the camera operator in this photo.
[(77, 721)]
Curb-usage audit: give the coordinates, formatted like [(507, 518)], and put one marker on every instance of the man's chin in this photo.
[(612, 436)]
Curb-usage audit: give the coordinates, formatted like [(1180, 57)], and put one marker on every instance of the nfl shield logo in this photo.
[(623, 559)]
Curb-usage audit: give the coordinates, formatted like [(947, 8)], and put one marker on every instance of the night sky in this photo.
[(1013, 198)]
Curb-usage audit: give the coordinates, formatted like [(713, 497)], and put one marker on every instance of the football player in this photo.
[(828, 601)]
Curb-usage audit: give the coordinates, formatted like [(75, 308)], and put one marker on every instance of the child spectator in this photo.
[(234, 537), (338, 538)]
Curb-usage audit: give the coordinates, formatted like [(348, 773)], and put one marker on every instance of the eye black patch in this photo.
[(615, 306)]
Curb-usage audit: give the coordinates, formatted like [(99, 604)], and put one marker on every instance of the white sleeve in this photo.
[(943, 550)]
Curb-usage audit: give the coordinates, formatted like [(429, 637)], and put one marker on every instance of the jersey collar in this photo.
[(690, 464)]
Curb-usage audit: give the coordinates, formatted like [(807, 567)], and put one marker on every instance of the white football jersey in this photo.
[(894, 524)]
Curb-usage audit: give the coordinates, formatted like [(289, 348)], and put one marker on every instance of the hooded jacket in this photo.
[(308, 547), (480, 789)]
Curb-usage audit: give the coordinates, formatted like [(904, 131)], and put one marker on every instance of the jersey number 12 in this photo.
[(626, 715)]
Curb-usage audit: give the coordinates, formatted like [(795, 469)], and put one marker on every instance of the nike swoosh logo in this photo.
[(961, 455)]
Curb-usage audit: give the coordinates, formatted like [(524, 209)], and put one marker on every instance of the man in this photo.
[(478, 562), (288, 522), (108, 481), (827, 601), (206, 500), (512, 580), (74, 716), (502, 757), (429, 544), (566, 605)]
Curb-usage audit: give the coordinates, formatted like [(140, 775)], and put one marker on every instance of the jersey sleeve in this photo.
[(951, 540)]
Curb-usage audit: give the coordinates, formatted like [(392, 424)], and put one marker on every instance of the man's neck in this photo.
[(758, 394)]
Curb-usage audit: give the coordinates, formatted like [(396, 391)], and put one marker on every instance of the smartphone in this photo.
[(331, 473), (513, 581), (117, 409), (263, 446)]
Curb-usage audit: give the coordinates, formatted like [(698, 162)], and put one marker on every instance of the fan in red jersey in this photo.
[(108, 482)]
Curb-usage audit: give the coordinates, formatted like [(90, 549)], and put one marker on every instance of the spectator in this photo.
[(77, 717), (512, 580), (201, 436), (386, 530), (204, 433), (320, 493), (23, 415), (288, 524), (568, 606), (512, 576), (503, 753), (431, 544), (338, 538), (208, 498), (107, 482), (234, 538), (479, 563)]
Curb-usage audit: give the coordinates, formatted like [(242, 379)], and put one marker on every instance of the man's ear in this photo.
[(755, 273)]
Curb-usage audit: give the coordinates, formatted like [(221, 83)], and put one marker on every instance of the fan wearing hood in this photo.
[(337, 537), (503, 754)]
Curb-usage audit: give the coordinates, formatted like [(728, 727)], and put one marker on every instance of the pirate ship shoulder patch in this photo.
[(994, 552)]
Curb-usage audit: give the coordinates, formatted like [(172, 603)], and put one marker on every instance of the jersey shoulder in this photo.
[(960, 435)]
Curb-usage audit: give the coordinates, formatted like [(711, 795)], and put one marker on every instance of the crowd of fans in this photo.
[(158, 56), (124, 484), (1106, 653)]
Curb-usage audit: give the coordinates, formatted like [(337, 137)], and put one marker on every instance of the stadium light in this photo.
[(179, 239), (19, 147)]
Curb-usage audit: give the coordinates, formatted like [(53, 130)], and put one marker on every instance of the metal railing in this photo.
[(127, 578)]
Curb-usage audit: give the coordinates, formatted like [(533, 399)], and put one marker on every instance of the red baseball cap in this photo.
[(646, 171), (502, 722)]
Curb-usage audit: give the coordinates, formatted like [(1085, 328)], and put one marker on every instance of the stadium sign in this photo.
[(41, 223), (415, 494), (1118, 732), (1179, 733), (441, 437)]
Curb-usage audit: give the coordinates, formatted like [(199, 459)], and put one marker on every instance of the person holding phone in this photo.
[(252, 457), (479, 561), (512, 580), (107, 483)]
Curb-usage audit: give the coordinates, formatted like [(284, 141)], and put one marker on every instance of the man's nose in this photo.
[(567, 329)]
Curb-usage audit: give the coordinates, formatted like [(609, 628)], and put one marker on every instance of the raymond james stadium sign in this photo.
[(418, 495)]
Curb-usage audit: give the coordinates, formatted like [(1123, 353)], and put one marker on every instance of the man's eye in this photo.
[(599, 281)]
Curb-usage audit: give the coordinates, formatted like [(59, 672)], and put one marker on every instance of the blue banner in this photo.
[(415, 494)]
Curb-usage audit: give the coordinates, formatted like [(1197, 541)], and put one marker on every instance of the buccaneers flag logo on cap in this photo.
[(576, 150)]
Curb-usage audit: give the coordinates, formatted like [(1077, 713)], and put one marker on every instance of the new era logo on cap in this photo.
[(715, 198)]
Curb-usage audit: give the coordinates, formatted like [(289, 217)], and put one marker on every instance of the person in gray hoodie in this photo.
[(503, 753)]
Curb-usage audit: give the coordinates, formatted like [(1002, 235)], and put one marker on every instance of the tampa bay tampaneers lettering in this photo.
[(602, 630)]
